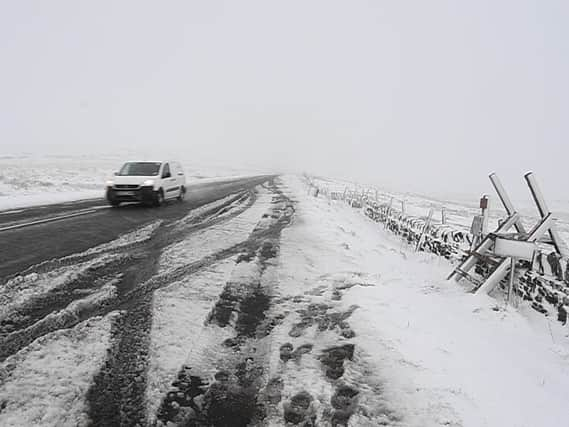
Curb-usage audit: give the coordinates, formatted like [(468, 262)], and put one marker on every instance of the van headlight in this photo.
[(149, 183), (110, 183)]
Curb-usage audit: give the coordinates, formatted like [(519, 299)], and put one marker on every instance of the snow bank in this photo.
[(450, 358)]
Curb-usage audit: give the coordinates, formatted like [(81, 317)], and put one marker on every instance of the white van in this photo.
[(147, 182)]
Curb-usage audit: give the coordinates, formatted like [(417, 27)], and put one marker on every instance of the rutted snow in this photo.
[(425, 351), (105, 293), (206, 209), (137, 236), (178, 329), (70, 315), (181, 308), (19, 289), (46, 383), (211, 240)]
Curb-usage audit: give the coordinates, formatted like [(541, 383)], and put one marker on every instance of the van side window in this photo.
[(166, 171)]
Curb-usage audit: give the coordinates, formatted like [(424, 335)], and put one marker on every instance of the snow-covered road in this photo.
[(268, 307)]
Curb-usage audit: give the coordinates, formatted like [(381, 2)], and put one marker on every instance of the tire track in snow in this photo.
[(73, 286), (224, 391)]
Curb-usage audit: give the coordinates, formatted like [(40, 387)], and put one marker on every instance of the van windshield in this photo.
[(140, 169)]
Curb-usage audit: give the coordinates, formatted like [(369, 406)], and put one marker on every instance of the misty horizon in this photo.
[(428, 98)]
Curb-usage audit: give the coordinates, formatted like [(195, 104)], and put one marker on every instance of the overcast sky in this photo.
[(425, 96)]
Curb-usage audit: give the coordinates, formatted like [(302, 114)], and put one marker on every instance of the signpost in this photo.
[(484, 202), (513, 249), (508, 248)]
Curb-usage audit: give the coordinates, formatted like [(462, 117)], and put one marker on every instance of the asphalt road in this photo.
[(21, 248)]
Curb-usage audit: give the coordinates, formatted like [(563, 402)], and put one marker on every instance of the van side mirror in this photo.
[(115, 173), (166, 175)]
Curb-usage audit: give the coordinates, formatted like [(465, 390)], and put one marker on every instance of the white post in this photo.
[(544, 211), (508, 205), (511, 285)]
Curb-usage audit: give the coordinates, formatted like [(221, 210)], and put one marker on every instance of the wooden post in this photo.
[(388, 213), (426, 227)]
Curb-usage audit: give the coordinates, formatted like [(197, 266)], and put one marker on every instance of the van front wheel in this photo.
[(159, 200), (182, 194)]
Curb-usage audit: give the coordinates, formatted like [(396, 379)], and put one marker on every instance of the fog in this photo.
[(424, 96)]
